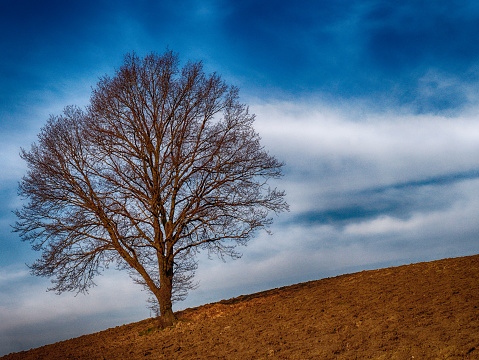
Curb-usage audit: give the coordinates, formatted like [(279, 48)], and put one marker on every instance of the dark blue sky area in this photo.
[(417, 53)]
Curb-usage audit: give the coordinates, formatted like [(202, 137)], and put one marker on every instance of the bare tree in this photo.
[(163, 163)]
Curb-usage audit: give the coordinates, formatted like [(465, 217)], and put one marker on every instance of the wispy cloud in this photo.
[(351, 149), (386, 172)]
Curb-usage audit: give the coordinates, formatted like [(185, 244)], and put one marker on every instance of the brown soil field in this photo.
[(422, 311)]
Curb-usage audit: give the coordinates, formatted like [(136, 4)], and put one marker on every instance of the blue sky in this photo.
[(372, 105)]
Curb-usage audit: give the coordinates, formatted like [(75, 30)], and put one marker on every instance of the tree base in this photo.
[(166, 321)]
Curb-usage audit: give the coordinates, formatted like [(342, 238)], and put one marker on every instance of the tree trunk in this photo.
[(164, 296)]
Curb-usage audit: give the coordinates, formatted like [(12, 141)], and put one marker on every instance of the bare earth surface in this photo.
[(421, 311)]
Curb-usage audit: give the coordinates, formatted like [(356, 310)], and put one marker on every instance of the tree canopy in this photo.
[(163, 162)]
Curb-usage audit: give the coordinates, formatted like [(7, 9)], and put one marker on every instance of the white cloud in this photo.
[(372, 148), (383, 225)]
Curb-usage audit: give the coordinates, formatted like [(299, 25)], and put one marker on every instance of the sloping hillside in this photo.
[(420, 311)]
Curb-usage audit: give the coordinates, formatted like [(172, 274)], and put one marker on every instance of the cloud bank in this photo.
[(366, 190)]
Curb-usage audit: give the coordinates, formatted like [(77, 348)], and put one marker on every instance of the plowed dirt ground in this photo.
[(420, 311)]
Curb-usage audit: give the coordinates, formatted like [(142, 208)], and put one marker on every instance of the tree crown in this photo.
[(162, 163)]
